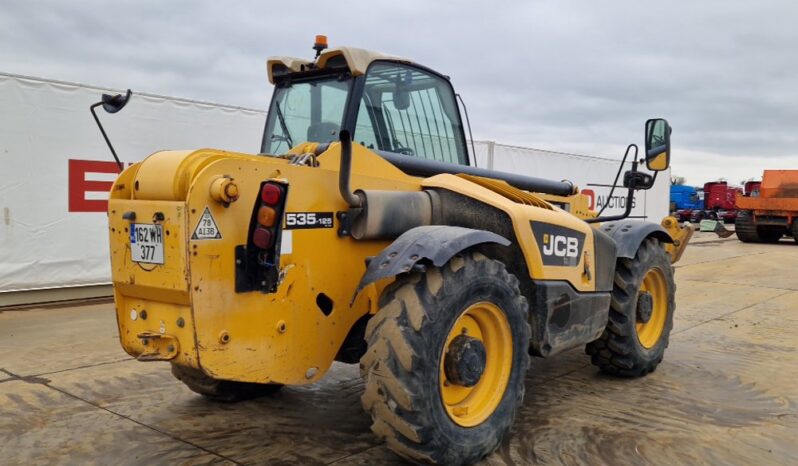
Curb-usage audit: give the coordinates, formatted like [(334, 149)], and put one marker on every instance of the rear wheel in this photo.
[(750, 232), (447, 354), (771, 235), (794, 230), (221, 390), (641, 314), (745, 228)]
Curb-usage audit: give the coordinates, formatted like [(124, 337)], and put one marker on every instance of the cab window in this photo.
[(410, 111), (305, 111), (365, 134)]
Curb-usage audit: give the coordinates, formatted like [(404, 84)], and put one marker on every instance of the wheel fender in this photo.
[(630, 234), (436, 243)]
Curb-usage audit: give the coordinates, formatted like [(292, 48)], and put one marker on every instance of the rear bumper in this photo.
[(152, 301), (153, 330)]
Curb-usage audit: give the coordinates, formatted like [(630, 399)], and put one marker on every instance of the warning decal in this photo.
[(206, 228)]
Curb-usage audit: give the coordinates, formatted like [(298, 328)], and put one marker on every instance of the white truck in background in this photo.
[(55, 171)]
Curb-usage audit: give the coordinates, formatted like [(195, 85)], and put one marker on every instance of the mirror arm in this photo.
[(105, 136), (629, 198), (618, 175), (630, 195), (111, 104)]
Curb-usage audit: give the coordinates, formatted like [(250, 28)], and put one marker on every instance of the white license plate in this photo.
[(146, 243)]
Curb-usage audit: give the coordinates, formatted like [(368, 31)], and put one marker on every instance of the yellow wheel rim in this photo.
[(650, 332), (470, 406)]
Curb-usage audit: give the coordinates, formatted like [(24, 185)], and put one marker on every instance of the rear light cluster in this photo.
[(272, 197), (257, 263)]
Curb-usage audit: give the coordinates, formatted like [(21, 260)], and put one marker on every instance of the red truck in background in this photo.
[(719, 202), (751, 189)]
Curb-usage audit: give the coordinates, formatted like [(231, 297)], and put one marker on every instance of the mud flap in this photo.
[(436, 243), (630, 234)]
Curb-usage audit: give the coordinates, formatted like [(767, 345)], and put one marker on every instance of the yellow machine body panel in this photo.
[(580, 276), (195, 317)]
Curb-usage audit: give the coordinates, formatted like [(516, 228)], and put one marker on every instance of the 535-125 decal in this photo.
[(304, 220)]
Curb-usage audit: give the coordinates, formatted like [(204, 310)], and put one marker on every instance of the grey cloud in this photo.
[(578, 76)]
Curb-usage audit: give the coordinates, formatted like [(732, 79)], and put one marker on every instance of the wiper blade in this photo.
[(283, 125)]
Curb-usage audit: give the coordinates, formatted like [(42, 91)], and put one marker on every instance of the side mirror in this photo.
[(111, 104), (658, 144), (115, 103), (401, 100), (401, 96)]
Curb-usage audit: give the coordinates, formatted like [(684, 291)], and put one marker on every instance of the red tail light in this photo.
[(263, 238), (266, 219), (271, 194), (258, 262)]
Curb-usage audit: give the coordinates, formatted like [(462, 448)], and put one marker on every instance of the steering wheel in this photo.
[(280, 138), (405, 151)]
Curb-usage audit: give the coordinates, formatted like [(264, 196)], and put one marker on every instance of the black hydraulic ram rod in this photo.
[(422, 167)]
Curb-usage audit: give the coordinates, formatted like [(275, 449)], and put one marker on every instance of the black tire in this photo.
[(618, 351), (713, 215), (771, 235), (745, 228), (405, 345), (222, 390), (794, 230)]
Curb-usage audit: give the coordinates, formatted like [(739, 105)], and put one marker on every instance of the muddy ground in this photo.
[(726, 392)]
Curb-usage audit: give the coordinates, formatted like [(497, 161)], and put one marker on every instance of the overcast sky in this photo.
[(573, 76)]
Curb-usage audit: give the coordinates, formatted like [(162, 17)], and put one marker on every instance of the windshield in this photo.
[(410, 111), (305, 111)]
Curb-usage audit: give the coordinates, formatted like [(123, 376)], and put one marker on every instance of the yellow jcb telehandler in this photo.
[(362, 232)]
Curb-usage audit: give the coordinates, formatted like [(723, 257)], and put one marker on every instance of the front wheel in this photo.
[(641, 314), (446, 360)]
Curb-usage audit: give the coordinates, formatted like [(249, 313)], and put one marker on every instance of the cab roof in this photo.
[(355, 59)]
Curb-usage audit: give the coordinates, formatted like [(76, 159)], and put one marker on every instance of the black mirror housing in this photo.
[(658, 144), (115, 103), (637, 180)]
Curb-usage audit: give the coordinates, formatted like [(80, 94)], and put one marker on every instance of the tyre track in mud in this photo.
[(709, 403), (724, 394), (32, 409)]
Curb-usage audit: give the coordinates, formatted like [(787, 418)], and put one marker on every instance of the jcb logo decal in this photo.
[(558, 245)]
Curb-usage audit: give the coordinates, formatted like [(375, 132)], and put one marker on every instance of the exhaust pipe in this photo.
[(381, 214), (345, 173)]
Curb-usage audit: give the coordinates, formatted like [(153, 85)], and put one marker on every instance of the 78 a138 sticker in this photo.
[(206, 227), (305, 220)]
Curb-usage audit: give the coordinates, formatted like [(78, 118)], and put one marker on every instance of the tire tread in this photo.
[(398, 351), (617, 351)]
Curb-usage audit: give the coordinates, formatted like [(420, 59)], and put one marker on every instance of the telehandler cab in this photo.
[(363, 233)]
